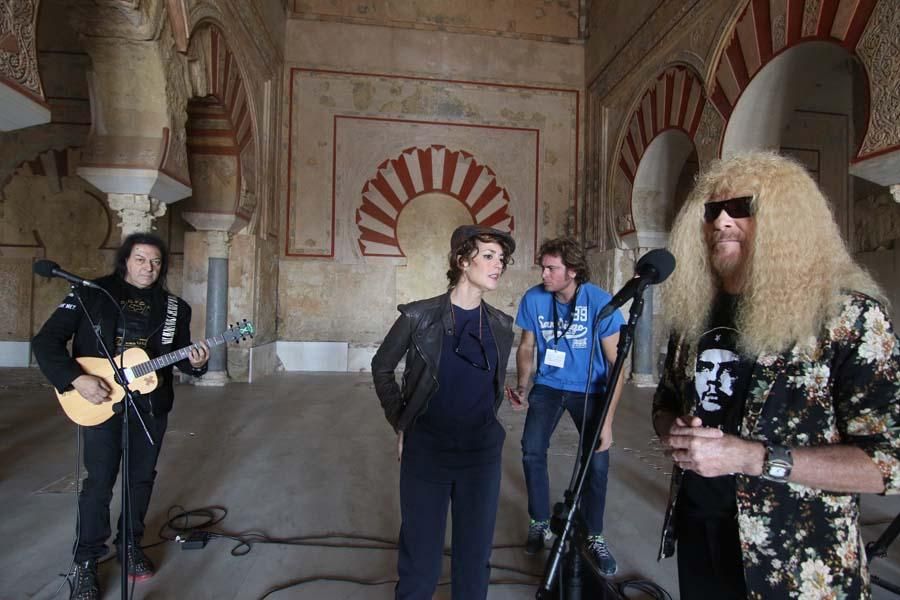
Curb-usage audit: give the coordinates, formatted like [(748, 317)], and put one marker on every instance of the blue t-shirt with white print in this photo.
[(536, 315)]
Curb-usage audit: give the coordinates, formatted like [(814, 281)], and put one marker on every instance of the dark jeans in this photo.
[(545, 408), (472, 494), (710, 563), (102, 457)]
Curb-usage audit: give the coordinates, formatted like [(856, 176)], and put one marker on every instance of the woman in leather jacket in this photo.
[(449, 443)]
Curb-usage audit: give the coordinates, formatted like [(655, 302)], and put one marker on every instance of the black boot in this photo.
[(84, 581), (140, 567)]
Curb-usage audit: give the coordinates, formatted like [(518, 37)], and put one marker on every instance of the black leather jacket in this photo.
[(419, 334)]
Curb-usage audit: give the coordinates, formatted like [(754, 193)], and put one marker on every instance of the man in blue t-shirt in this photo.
[(558, 317)]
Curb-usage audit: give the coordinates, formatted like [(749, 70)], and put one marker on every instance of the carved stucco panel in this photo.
[(779, 26), (661, 24), (138, 20), (621, 199), (18, 50), (704, 35), (879, 51), (178, 91), (811, 17), (709, 135)]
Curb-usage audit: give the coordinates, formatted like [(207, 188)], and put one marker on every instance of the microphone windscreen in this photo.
[(656, 265), (45, 268)]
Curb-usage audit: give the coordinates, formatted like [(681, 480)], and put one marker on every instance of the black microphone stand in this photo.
[(567, 521), (128, 402), (879, 548)]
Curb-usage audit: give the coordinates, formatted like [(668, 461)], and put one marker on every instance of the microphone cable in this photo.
[(200, 523)]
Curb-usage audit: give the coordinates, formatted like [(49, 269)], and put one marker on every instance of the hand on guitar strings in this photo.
[(93, 389)]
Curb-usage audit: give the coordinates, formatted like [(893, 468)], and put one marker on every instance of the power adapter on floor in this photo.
[(194, 541)]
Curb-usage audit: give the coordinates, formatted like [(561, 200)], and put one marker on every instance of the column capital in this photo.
[(219, 243), (136, 211), (895, 192)]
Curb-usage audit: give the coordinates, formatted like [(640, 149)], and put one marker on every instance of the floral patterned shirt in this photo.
[(840, 388)]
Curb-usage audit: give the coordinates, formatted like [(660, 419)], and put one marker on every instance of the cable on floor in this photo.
[(182, 523)]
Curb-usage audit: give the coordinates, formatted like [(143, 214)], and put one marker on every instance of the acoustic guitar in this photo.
[(140, 375)]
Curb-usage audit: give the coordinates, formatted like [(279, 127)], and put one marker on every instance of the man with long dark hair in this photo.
[(149, 317), (557, 316)]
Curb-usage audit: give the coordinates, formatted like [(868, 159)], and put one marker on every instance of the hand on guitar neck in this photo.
[(199, 354)]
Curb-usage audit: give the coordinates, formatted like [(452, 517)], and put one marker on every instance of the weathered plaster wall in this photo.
[(555, 19), (47, 212), (611, 24), (375, 105)]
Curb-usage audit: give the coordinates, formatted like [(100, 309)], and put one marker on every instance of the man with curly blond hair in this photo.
[(779, 398)]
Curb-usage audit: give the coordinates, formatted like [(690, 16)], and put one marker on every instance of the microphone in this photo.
[(652, 268), (48, 268)]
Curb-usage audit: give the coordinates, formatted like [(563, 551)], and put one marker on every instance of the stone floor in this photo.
[(297, 455)]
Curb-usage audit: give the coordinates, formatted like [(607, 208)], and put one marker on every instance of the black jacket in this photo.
[(419, 334), (68, 320)]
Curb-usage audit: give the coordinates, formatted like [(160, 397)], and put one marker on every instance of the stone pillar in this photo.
[(218, 243), (642, 362), (136, 211)]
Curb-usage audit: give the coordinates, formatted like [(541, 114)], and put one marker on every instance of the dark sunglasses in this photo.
[(484, 366), (737, 208)]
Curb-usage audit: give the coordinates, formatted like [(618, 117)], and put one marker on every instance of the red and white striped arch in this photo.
[(768, 27), (418, 171), (675, 101), (222, 123)]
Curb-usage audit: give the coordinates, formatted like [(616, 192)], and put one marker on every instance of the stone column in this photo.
[(218, 243), (136, 211), (642, 362)]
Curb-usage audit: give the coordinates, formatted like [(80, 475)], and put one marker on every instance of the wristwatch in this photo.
[(778, 463)]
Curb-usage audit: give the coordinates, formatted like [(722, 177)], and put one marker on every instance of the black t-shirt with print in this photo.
[(721, 382), (136, 309)]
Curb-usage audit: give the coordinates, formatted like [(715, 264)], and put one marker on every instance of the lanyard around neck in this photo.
[(556, 334)]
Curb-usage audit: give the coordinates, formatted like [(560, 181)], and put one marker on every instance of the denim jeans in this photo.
[(545, 408)]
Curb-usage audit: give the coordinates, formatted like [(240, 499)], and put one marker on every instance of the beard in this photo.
[(726, 265)]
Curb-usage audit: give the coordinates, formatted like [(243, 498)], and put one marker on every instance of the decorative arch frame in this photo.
[(675, 100), (418, 171), (765, 29), (225, 83)]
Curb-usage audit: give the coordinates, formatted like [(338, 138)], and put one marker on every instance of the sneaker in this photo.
[(600, 552), (538, 532), (84, 584), (140, 567)]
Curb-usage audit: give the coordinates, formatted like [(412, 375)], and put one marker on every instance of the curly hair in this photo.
[(571, 254), (799, 268), (468, 249), (149, 239)]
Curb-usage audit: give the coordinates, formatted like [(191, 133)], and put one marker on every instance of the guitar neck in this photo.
[(154, 364)]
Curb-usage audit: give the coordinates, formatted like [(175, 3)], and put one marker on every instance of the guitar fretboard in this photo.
[(154, 364)]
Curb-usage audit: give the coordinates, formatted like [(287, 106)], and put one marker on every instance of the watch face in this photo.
[(777, 471)]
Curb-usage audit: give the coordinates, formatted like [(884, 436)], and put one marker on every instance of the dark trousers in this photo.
[(546, 406), (710, 564), (102, 457), (472, 494)]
